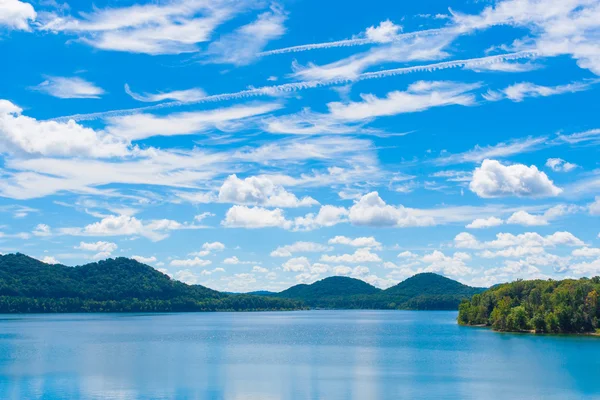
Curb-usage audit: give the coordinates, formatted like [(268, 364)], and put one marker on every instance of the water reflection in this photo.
[(298, 355)]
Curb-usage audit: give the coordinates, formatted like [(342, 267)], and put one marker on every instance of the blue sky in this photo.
[(249, 145)]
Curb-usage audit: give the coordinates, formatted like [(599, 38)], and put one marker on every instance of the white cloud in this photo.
[(191, 262), (528, 239), (171, 27), (100, 246), (500, 150), (214, 246), (203, 216), (518, 92), (243, 46), (359, 256), (385, 32), (560, 165), (50, 260), (185, 96), (15, 14), (126, 225), (327, 216), (145, 260), (526, 219), (480, 223), (236, 261), (259, 269), (42, 230), (21, 134), (594, 207), (420, 96), (260, 190), (255, 217), (298, 264), (453, 265), (69, 88), (371, 210), (356, 242), (586, 252), (298, 247), (407, 254), (493, 179), (141, 126)]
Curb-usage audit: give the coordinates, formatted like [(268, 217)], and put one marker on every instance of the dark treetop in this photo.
[(568, 306), (125, 285)]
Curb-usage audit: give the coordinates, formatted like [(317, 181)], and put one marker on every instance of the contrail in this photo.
[(351, 42), (294, 87)]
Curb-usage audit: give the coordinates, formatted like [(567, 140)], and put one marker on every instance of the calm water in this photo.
[(295, 355)]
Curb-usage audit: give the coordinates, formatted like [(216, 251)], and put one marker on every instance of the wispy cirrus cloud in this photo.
[(184, 96), (69, 88), (171, 27)]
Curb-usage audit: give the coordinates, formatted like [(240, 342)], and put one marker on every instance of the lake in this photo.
[(287, 355)]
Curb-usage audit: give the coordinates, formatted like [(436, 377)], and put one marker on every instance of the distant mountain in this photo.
[(425, 291), (125, 285), (121, 284), (332, 286)]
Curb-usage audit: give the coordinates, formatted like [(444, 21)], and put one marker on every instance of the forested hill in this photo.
[(121, 284), (125, 285), (425, 291), (568, 306)]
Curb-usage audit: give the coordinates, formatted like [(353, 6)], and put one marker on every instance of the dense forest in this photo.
[(114, 285), (28, 285), (426, 291), (568, 306)]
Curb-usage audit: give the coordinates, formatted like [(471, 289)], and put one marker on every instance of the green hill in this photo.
[(425, 291), (121, 284), (543, 306), (125, 285), (332, 286)]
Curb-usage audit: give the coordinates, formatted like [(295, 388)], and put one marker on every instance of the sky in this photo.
[(254, 145)]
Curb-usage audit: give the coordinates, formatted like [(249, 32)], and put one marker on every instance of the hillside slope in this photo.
[(121, 284)]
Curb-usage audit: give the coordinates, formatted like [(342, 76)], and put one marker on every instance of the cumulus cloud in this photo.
[(385, 32), (15, 14), (453, 265), (145, 260), (594, 207), (526, 219), (69, 88), (356, 242), (528, 239), (480, 223), (298, 247), (100, 246), (255, 217), (327, 216), (213, 246), (190, 262), (20, 134), (126, 225), (42, 230), (371, 210), (493, 179), (560, 165), (359, 256), (260, 190)]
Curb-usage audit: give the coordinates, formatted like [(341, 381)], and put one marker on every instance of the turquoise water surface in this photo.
[(287, 355)]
